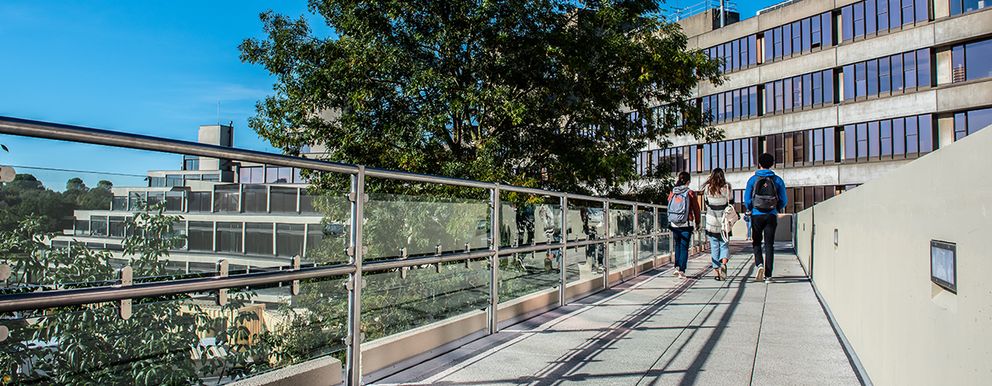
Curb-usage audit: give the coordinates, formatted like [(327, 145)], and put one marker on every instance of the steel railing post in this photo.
[(563, 280), (656, 231), (606, 244), (356, 250), (637, 242), (492, 316)]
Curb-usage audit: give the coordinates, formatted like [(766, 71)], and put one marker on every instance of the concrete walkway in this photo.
[(658, 330)]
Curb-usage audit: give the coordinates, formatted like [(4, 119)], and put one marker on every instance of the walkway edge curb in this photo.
[(852, 356)]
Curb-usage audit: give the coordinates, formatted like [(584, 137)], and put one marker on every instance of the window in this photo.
[(829, 147), (98, 226), (229, 237), (174, 201), (899, 138), (967, 123), (847, 22), (870, 17), (173, 180), (116, 227), (828, 87), (806, 35), (859, 19), (252, 175), (289, 239), (258, 238), (815, 38), (282, 199), (200, 236), (908, 13), (884, 77), (199, 202), (872, 75), (873, 141), (860, 80), (897, 73), (828, 29), (925, 123), (894, 11), (797, 38), (909, 66), (278, 175), (922, 10), (226, 198), (971, 61), (912, 137), (862, 135), (787, 40), (923, 68), (963, 6), (256, 198), (885, 134), (883, 15)]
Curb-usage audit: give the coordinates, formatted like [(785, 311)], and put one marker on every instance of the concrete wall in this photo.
[(876, 279)]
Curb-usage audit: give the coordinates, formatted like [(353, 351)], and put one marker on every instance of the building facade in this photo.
[(839, 91)]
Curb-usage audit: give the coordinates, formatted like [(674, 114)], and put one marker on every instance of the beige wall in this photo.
[(876, 281)]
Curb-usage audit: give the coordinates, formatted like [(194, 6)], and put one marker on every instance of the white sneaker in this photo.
[(760, 276), (768, 279)]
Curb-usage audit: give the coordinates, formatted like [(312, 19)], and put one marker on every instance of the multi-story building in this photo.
[(839, 91), (254, 216)]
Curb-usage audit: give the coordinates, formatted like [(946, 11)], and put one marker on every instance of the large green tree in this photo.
[(545, 93)]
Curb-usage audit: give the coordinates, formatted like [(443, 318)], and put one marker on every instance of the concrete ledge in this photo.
[(582, 288), (527, 306), (646, 265), (397, 349), (321, 371)]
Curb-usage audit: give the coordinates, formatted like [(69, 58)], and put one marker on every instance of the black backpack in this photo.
[(764, 195)]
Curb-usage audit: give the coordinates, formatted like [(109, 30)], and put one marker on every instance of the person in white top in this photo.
[(718, 199)]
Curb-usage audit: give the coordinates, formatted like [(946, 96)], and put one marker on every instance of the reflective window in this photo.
[(252, 175), (228, 237), (256, 198), (971, 61), (199, 202), (289, 239), (798, 37), (963, 6), (735, 55), (258, 238), (892, 74), (200, 236), (282, 200), (226, 198)]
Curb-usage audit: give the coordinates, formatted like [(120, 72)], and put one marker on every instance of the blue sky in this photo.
[(150, 67)]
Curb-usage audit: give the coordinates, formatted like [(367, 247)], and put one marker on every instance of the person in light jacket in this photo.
[(717, 196)]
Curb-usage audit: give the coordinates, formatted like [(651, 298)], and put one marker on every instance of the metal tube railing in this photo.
[(356, 248)]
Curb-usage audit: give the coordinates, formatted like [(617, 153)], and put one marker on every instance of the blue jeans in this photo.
[(719, 250), (681, 238)]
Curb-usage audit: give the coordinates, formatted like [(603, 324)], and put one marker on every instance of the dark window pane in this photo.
[(849, 89), (895, 10), (847, 22), (228, 237), (883, 15), (926, 133), (828, 86), (862, 129), (256, 198), (923, 10), (200, 236), (860, 80), (829, 147), (258, 238), (199, 202), (978, 60), (899, 137), (872, 75), (828, 28), (289, 239), (909, 64), (885, 132), (283, 200), (978, 120), (912, 136), (859, 19), (908, 14), (850, 143), (923, 68), (897, 73), (226, 198), (884, 76), (870, 14), (873, 141), (958, 73)]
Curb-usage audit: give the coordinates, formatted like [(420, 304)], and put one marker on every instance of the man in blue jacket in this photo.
[(764, 198)]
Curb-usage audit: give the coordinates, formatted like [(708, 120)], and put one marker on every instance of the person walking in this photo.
[(764, 198), (683, 216), (718, 197)]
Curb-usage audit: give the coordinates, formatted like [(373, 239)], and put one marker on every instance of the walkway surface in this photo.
[(659, 330)]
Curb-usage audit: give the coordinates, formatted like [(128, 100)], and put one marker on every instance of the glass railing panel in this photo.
[(664, 244), (621, 221), (646, 249), (584, 262), (585, 221), (522, 274), (445, 221), (399, 300), (621, 255), (178, 339), (528, 220)]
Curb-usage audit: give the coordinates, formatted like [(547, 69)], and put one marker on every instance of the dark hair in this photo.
[(716, 182), (766, 161), (684, 178)]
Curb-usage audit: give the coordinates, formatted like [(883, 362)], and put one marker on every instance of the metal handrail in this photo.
[(354, 268)]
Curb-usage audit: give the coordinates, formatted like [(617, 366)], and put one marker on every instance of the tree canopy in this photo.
[(543, 93)]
